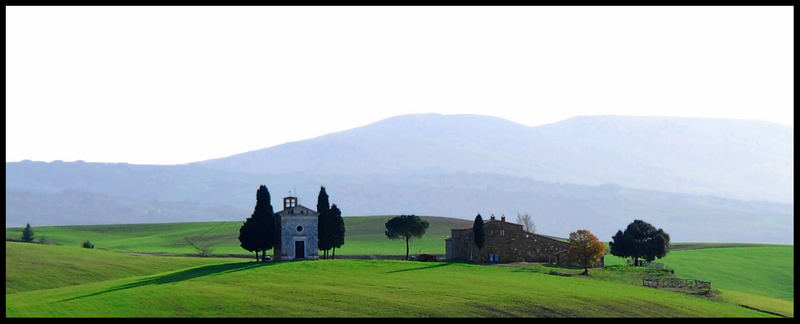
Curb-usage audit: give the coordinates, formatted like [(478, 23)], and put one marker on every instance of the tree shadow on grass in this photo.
[(210, 270), (421, 268)]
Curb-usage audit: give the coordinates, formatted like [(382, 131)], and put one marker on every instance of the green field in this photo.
[(767, 271), (350, 288), (754, 275), (40, 266), (363, 236)]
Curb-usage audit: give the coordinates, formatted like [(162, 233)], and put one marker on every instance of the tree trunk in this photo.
[(263, 255), (256, 255), (585, 271), (333, 256), (406, 249)]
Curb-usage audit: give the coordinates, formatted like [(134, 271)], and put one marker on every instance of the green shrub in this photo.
[(88, 245)]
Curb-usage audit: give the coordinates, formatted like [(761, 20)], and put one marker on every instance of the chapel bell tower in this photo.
[(289, 202)]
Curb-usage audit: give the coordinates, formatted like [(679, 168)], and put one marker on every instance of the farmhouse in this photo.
[(298, 227), (506, 242)]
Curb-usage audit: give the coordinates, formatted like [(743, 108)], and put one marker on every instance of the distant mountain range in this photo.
[(699, 179), (739, 159)]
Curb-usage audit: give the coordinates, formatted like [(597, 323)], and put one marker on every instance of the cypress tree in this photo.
[(323, 223), (337, 233), (263, 222), (477, 232), (27, 234), (247, 237)]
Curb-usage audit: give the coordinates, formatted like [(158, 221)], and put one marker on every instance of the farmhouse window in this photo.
[(502, 232)]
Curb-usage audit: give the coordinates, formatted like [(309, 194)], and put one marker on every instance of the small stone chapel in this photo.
[(298, 232)]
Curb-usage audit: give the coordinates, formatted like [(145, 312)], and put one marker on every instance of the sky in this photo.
[(173, 85)]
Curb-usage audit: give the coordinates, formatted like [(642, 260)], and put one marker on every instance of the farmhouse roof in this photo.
[(485, 222), (494, 220)]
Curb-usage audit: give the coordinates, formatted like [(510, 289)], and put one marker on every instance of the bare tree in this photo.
[(526, 222)]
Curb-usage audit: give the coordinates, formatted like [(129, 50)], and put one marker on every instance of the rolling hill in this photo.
[(364, 236), (598, 173), (360, 288), (61, 280)]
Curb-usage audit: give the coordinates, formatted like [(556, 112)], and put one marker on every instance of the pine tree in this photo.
[(405, 227), (27, 234)]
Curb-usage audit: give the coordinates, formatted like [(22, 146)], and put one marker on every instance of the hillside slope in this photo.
[(557, 209), (740, 159), (459, 166), (362, 288), (364, 235), (32, 267)]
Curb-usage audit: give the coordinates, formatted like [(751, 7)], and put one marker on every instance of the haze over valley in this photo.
[(701, 179)]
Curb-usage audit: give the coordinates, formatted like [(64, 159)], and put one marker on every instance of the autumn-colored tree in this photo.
[(585, 249)]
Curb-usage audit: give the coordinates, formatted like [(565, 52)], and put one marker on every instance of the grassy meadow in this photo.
[(40, 266), (363, 236), (767, 271), (360, 288), (63, 279)]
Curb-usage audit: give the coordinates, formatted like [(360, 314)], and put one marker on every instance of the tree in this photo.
[(477, 232), (405, 227), (337, 230), (324, 224), (620, 245), (640, 240), (657, 246), (584, 249), (247, 237), (526, 222), (258, 233), (27, 233), (263, 234)]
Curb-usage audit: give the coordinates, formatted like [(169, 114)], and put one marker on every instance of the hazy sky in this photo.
[(169, 85)]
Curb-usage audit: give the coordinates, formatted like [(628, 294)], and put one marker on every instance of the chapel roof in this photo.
[(298, 210)]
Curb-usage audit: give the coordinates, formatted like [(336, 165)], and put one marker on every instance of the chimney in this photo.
[(491, 218), (503, 218), (289, 202)]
